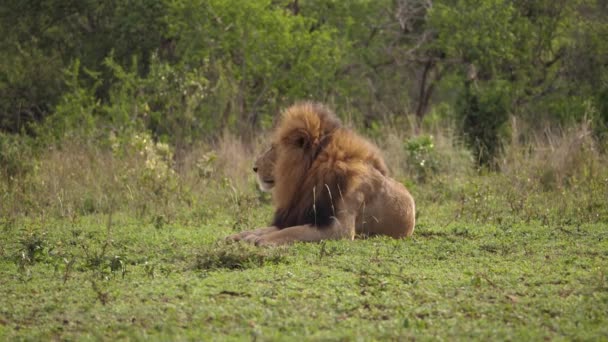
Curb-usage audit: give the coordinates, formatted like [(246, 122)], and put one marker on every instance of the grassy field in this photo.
[(100, 243), (109, 277)]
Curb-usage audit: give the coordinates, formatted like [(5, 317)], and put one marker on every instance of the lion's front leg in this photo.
[(251, 233), (344, 229)]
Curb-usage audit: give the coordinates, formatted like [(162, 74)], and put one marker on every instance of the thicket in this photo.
[(162, 92)]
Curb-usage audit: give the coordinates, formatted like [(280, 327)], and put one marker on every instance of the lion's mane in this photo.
[(319, 162)]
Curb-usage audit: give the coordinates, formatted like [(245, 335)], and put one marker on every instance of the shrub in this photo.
[(16, 156), (484, 111), (422, 159)]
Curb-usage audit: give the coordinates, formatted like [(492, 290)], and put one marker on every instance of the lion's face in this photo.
[(264, 169)]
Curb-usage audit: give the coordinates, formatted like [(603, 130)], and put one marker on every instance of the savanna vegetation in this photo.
[(128, 131)]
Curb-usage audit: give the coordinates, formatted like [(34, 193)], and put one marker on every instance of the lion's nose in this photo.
[(255, 169)]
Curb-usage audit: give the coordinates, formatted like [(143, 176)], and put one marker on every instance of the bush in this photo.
[(483, 111), (16, 156), (422, 159)]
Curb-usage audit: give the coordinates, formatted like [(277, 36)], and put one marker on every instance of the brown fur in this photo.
[(319, 162), (325, 176)]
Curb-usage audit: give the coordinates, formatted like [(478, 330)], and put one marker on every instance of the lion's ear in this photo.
[(301, 142), (301, 139)]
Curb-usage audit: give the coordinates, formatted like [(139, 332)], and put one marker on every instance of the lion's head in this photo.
[(264, 168)]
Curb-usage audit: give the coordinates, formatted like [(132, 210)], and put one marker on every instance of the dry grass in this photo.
[(554, 157), (70, 180), (145, 178)]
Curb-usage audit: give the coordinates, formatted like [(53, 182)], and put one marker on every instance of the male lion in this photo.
[(327, 183)]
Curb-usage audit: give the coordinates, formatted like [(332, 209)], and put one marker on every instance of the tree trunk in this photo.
[(425, 91)]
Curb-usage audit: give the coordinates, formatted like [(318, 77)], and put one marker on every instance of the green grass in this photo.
[(100, 277)]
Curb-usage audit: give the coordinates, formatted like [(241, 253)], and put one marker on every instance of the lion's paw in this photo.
[(237, 237), (251, 238), (258, 240), (264, 242)]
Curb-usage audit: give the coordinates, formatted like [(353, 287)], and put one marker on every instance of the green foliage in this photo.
[(370, 71), (75, 114), (16, 157), (484, 33), (173, 103), (196, 84), (484, 111), (30, 83), (422, 158), (185, 70), (254, 53), (41, 39), (525, 58), (32, 246), (586, 71)]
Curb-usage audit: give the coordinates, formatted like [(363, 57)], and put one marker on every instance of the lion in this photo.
[(327, 182)]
